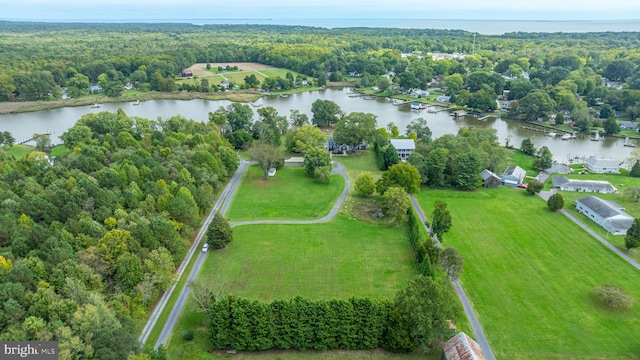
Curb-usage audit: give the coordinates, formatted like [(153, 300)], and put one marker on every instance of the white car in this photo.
[(205, 248)]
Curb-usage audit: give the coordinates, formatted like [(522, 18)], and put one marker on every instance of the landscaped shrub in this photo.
[(187, 335), (613, 297)]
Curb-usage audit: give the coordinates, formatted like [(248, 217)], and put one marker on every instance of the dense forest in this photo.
[(575, 74), (89, 240)]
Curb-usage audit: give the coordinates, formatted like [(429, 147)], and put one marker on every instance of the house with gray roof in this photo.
[(404, 147), (602, 165), (490, 179), (462, 347), (513, 176), (565, 184), (608, 214)]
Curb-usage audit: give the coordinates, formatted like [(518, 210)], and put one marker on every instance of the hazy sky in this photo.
[(291, 9)]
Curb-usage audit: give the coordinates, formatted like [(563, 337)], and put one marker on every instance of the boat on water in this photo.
[(137, 102), (96, 105), (597, 137), (566, 136), (551, 134), (284, 95), (418, 106)]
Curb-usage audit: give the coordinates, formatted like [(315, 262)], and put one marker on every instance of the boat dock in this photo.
[(627, 143), (545, 130), (31, 138)]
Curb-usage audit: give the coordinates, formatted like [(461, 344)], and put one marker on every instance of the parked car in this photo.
[(205, 247)]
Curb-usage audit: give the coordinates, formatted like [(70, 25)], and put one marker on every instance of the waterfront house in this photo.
[(608, 214), (513, 176), (490, 179), (602, 165), (444, 99), (404, 147), (565, 184)]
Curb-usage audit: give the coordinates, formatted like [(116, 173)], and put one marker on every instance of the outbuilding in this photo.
[(608, 214)]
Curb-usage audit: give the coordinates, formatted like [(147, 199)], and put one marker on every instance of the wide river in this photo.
[(57, 121)]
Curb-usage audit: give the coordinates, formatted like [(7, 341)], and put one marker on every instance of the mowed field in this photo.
[(531, 276), (290, 194)]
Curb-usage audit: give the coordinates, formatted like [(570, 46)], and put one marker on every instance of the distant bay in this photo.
[(485, 27)]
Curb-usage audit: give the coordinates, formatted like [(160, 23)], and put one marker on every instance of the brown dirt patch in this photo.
[(200, 69)]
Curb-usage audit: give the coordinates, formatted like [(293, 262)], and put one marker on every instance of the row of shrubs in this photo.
[(299, 323), (423, 246)]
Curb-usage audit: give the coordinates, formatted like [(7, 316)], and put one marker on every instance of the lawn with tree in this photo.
[(540, 261)]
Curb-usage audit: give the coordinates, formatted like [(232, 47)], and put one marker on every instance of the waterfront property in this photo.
[(608, 214), (404, 147), (335, 148), (513, 176), (602, 165), (565, 184)]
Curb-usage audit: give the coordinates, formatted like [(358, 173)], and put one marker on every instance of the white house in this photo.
[(513, 176), (602, 165), (565, 184), (404, 147), (608, 214)]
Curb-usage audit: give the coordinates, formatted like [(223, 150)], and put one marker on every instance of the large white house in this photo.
[(602, 165), (513, 176), (608, 214), (404, 147)]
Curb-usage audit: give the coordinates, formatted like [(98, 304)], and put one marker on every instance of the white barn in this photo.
[(602, 165), (404, 147), (608, 214)]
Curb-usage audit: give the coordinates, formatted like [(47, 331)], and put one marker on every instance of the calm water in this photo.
[(57, 121)]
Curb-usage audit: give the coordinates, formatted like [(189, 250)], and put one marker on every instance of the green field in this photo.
[(19, 151), (319, 261), (531, 275), (290, 194)]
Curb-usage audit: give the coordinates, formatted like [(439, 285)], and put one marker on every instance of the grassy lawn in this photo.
[(290, 194), (280, 73), (59, 150), (531, 275), (19, 151), (320, 261), (238, 77)]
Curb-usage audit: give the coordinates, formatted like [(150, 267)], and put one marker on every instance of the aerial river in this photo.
[(57, 121)]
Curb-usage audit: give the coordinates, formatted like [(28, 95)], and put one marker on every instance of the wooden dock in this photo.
[(31, 138), (484, 118)]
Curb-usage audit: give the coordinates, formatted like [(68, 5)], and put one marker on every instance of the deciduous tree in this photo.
[(395, 203), (305, 138), (441, 219), (325, 112), (267, 156), (632, 239), (451, 262), (316, 159), (534, 187), (403, 175), (364, 184), (555, 202), (355, 129)]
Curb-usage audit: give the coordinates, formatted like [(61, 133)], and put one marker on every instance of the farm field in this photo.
[(531, 276), (290, 194)]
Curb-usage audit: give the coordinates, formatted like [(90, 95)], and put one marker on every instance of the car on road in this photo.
[(205, 247)]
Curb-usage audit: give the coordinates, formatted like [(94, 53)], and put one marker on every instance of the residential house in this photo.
[(334, 147), (95, 89), (513, 176), (602, 165), (565, 184), (404, 147), (490, 179), (462, 347), (608, 214), (419, 93), (443, 99), (629, 125), (187, 73), (354, 74), (224, 84)]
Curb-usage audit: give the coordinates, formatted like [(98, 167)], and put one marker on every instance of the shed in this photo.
[(490, 179), (462, 347), (272, 172), (187, 73)]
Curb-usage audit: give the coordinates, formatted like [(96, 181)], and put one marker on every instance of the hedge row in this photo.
[(301, 324), (423, 246)]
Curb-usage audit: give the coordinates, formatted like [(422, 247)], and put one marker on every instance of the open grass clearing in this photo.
[(338, 259), (290, 194), (19, 151), (531, 275)]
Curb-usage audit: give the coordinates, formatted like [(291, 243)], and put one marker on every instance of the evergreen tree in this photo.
[(632, 239)]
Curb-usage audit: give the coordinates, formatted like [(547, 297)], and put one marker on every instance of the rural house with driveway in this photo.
[(608, 214)]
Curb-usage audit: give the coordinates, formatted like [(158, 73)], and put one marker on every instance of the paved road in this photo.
[(221, 206), (481, 339), (545, 196)]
